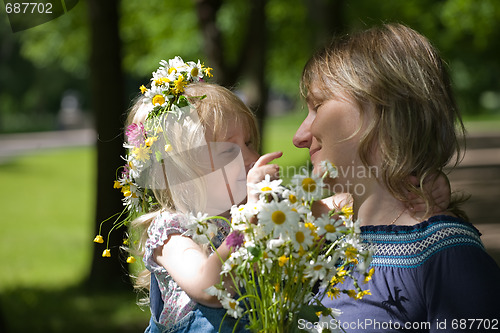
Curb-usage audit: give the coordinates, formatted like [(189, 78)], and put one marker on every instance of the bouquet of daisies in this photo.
[(284, 259)]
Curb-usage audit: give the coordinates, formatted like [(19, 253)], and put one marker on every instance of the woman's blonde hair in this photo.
[(217, 108), (417, 128)]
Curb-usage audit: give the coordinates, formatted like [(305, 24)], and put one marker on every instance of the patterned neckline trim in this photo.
[(416, 227)]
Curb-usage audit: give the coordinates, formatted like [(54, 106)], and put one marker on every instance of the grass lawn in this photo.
[(47, 216)]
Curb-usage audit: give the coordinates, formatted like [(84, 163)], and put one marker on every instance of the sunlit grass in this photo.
[(47, 212)]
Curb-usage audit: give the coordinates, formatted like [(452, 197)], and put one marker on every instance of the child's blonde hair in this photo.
[(399, 73), (216, 108)]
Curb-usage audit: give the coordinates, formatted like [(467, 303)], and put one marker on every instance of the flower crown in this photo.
[(144, 141)]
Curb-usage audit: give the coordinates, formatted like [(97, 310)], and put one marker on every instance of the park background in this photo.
[(65, 86)]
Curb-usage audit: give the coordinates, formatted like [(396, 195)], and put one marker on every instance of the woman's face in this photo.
[(332, 131)]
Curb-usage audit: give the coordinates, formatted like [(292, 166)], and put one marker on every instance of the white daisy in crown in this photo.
[(195, 71), (156, 97)]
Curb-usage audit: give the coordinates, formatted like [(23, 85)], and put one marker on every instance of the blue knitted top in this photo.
[(434, 276)]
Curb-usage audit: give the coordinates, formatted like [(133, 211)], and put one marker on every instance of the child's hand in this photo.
[(335, 202), (260, 169), (439, 187)]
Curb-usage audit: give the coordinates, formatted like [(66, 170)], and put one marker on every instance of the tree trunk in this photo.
[(252, 55), (108, 105), (327, 18)]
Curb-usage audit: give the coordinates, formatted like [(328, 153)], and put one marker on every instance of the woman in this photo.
[(381, 109)]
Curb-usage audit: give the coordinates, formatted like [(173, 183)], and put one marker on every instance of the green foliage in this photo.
[(152, 30), (63, 41), (467, 32), (289, 44)]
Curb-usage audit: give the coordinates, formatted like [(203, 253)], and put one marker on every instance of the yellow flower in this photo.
[(149, 141), (351, 293), (106, 253), (351, 252), (142, 153), (283, 260), (98, 239), (126, 191), (117, 184), (208, 71), (309, 185), (361, 294), (158, 99), (126, 241), (347, 210), (278, 217), (339, 277), (368, 276), (194, 71), (333, 293), (143, 89), (130, 260), (313, 229), (161, 81), (180, 84)]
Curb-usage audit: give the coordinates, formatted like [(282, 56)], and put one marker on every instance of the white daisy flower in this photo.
[(278, 218), (329, 321), (301, 238), (351, 224), (232, 306), (200, 229), (319, 269), (175, 66), (156, 97), (236, 258), (290, 196), (195, 72), (216, 290), (274, 244), (161, 79), (329, 168), (308, 186), (268, 186), (331, 228), (241, 215)]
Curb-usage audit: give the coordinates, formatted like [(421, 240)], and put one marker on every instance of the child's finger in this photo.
[(266, 158)]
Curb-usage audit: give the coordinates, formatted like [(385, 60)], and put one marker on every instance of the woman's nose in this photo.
[(303, 136)]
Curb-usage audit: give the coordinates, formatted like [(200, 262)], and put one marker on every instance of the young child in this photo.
[(191, 153)]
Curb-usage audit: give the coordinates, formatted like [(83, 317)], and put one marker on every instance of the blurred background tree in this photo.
[(256, 47)]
